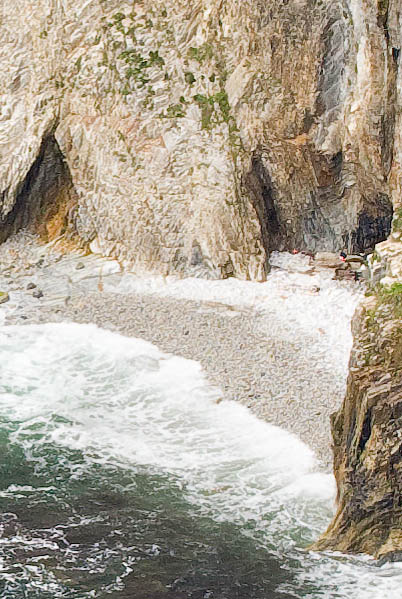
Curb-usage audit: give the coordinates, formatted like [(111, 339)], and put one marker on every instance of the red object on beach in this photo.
[(295, 251)]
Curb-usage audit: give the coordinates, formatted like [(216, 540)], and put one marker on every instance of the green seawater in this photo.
[(80, 531), (122, 477)]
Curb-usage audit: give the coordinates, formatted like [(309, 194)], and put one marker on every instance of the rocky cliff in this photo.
[(367, 430), (196, 137)]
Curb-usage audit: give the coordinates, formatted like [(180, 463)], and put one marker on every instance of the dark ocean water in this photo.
[(122, 477)]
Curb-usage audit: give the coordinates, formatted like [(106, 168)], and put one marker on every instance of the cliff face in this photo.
[(198, 136), (367, 435)]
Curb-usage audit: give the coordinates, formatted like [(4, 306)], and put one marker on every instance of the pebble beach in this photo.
[(280, 348)]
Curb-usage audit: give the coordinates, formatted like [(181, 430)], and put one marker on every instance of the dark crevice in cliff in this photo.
[(373, 226), (259, 184), (321, 226), (366, 432), (46, 197), (382, 16)]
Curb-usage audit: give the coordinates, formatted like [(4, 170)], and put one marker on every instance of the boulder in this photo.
[(328, 260)]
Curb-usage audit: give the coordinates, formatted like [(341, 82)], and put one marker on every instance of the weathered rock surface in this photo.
[(197, 136), (367, 434), (367, 430)]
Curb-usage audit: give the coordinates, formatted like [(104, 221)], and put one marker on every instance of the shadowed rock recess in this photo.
[(197, 136), (46, 198)]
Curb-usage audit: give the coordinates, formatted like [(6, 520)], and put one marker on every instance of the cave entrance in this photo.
[(323, 225), (373, 226), (262, 194), (46, 198)]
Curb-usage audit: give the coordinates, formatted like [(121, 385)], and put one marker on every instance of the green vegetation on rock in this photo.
[(202, 53), (397, 220), (392, 298)]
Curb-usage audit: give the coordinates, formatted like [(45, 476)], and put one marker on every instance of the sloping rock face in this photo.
[(367, 429), (199, 135), (367, 434)]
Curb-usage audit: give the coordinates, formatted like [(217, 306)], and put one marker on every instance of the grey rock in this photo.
[(327, 259)]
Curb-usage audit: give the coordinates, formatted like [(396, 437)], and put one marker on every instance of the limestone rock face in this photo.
[(199, 135)]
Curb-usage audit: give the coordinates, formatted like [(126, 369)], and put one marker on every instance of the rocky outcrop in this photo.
[(198, 136), (367, 434), (367, 430)]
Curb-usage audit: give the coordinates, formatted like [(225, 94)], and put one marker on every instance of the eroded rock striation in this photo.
[(197, 136)]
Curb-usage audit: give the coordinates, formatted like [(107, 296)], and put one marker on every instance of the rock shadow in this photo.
[(46, 200)]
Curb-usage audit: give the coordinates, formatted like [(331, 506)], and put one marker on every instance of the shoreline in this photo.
[(251, 358)]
